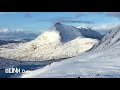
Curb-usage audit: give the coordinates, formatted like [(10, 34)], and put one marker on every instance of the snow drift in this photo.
[(60, 41)]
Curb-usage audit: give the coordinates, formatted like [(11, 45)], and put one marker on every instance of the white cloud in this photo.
[(107, 26), (101, 28), (19, 29), (15, 34), (6, 30)]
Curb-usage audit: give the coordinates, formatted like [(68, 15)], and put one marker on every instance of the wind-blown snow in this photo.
[(66, 32), (60, 41)]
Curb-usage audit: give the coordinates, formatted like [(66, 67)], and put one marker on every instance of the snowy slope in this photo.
[(67, 32), (89, 33), (110, 40), (60, 41), (103, 62)]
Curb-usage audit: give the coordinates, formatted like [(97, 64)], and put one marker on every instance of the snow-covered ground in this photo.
[(103, 61), (112, 39)]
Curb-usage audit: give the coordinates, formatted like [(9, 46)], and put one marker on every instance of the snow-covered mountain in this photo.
[(102, 62), (59, 41), (66, 32), (112, 39), (8, 34), (89, 33)]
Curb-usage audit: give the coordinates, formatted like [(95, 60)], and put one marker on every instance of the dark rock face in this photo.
[(57, 23)]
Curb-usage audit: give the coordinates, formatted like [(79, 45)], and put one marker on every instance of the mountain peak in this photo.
[(57, 23), (67, 32)]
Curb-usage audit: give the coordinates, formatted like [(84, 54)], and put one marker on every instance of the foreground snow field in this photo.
[(103, 61)]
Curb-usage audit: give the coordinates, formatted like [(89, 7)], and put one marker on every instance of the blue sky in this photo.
[(40, 21)]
